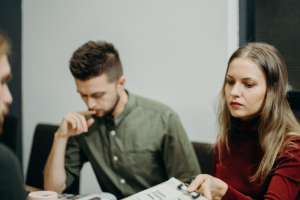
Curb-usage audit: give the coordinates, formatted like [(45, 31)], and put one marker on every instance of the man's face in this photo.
[(98, 94), (5, 96)]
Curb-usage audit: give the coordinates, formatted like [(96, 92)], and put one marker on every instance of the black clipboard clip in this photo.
[(184, 186)]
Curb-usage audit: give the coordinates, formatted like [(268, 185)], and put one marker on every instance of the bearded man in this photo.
[(11, 180), (132, 143)]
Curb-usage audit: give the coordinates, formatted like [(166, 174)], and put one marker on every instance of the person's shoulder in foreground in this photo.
[(11, 183)]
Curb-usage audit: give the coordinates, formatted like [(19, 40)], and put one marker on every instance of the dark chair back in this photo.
[(294, 101), (9, 132), (41, 147), (204, 153)]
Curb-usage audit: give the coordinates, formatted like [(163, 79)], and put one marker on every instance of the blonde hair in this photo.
[(277, 119), (4, 46)]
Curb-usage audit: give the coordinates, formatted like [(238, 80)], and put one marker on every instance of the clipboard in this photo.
[(173, 189)]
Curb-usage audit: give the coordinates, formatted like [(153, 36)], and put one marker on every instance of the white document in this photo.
[(98, 196), (165, 191)]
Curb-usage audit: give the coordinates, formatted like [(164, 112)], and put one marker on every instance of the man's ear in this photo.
[(121, 83)]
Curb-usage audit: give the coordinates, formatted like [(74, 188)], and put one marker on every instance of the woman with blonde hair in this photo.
[(257, 152)]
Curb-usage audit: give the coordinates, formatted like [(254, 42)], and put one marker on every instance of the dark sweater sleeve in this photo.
[(11, 180), (285, 180)]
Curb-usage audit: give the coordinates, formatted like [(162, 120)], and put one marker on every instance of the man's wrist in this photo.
[(58, 136)]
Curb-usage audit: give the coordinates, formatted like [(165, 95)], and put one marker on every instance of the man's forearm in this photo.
[(54, 172)]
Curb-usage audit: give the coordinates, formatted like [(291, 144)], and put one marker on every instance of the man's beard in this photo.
[(3, 112), (109, 112)]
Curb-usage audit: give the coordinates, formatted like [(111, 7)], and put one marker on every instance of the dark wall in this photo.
[(277, 23), (246, 21), (10, 24)]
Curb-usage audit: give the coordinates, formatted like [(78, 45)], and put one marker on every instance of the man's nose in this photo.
[(91, 102), (7, 96)]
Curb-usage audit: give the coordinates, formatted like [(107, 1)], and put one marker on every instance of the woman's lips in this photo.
[(235, 104)]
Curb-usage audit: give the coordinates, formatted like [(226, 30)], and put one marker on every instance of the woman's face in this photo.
[(245, 89)]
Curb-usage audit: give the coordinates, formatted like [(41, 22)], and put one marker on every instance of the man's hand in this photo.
[(74, 123)]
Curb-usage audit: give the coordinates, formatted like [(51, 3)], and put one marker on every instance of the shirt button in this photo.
[(122, 181), (113, 133), (115, 158)]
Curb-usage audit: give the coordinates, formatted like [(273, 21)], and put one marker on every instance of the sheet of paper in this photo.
[(164, 191), (98, 196)]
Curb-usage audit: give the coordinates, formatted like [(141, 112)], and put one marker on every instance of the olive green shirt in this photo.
[(142, 147)]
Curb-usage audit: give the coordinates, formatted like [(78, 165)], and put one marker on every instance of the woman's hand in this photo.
[(211, 187)]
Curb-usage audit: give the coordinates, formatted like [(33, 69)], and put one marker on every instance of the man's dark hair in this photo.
[(94, 59)]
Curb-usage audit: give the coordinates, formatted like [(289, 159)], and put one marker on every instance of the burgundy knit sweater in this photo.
[(243, 162)]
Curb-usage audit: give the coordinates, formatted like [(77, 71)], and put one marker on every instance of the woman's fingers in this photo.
[(203, 182), (196, 183), (205, 188)]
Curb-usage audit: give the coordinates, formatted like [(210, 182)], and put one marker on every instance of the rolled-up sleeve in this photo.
[(74, 160)]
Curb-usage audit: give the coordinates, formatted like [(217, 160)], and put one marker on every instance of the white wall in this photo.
[(172, 51)]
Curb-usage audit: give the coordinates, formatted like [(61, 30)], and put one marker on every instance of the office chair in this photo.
[(294, 101), (41, 147), (204, 153)]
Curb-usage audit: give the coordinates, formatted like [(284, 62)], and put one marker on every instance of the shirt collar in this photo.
[(112, 123), (129, 107)]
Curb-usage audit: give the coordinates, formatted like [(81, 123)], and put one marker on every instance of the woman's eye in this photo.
[(230, 82), (249, 85)]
